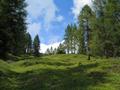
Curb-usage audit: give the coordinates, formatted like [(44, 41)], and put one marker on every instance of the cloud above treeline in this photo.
[(44, 47), (43, 13)]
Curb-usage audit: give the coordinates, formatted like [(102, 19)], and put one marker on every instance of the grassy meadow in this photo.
[(60, 72)]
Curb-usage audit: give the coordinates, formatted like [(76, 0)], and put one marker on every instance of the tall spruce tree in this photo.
[(28, 43), (80, 39), (5, 32), (70, 38), (67, 39), (12, 26), (75, 41), (36, 45), (19, 25)]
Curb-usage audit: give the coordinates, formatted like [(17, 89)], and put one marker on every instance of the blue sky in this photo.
[(49, 18)]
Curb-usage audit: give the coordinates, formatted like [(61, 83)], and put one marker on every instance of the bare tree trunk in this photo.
[(89, 53)]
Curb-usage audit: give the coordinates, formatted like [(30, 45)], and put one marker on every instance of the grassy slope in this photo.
[(61, 72)]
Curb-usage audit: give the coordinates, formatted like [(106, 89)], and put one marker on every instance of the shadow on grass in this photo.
[(8, 81), (28, 63), (69, 79)]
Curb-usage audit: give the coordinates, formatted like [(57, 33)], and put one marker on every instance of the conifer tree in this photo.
[(61, 49), (107, 12), (85, 20), (36, 45), (12, 26), (28, 44)]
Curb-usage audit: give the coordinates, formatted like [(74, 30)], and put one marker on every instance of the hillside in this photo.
[(61, 72)]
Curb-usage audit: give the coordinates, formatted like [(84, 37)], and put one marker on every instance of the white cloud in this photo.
[(34, 29), (45, 9), (44, 47), (78, 5), (37, 8), (53, 39), (60, 18)]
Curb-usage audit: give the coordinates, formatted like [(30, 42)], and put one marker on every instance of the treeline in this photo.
[(32, 47), (13, 36), (59, 50), (97, 32)]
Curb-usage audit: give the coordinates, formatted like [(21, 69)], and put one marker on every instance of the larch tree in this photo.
[(67, 39), (85, 20)]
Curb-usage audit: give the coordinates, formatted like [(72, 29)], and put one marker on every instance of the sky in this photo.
[(49, 18)]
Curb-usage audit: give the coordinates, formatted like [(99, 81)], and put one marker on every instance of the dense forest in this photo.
[(98, 30)]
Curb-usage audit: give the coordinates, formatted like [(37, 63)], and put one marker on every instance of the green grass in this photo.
[(60, 72)]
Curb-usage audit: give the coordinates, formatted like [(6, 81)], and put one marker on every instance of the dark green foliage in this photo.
[(4, 43), (36, 45), (61, 49), (70, 38), (86, 29), (98, 31), (55, 51), (28, 44), (51, 50), (12, 26), (48, 51), (80, 39), (67, 39), (107, 26)]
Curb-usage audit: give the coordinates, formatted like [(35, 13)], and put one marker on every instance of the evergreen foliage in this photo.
[(61, 49), (36, 45), (12, 27), (97, 32), (28, 44)]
